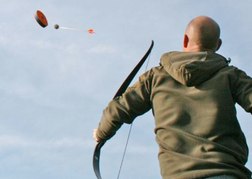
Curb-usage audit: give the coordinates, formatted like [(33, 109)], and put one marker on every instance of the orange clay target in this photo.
[(41, 18), (91, 31)]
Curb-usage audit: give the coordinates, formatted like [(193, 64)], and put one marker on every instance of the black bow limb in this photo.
[(121, 90)]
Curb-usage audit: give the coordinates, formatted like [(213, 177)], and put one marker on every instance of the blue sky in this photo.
[(54, 84)]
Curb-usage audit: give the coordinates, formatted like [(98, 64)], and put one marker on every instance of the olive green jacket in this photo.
[(192, 97)]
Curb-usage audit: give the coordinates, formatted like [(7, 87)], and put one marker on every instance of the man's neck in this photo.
[(197, 48)]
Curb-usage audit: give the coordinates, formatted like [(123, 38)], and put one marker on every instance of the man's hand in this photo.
[(95, 136)]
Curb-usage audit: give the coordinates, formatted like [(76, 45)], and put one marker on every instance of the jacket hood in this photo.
[(192, 68)]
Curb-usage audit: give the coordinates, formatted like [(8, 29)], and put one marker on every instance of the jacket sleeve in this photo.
[(243, 90), (124, 109)]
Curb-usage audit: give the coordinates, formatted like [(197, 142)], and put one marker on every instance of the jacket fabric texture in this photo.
[(192, 96)]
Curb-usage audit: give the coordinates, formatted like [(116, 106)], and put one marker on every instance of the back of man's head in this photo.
[(202, 34)]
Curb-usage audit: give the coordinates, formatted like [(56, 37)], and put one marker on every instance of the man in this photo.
[(192, 95)]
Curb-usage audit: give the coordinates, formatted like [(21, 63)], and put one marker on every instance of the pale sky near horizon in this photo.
[(54, 84)]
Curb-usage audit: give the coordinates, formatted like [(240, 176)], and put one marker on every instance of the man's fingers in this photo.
[(95, 136)]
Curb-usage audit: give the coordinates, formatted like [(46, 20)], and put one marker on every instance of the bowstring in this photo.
[(130, 129)]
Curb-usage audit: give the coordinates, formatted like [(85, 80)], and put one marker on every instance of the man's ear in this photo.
[(219, 44), (186, 41)]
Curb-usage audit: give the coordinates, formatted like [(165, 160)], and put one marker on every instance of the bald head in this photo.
[(202, 34)]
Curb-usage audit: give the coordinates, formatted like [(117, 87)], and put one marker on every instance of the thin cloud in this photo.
[(102, 49), (10, 141)]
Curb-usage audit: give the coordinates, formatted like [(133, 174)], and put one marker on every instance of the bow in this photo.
[(121, 90)]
